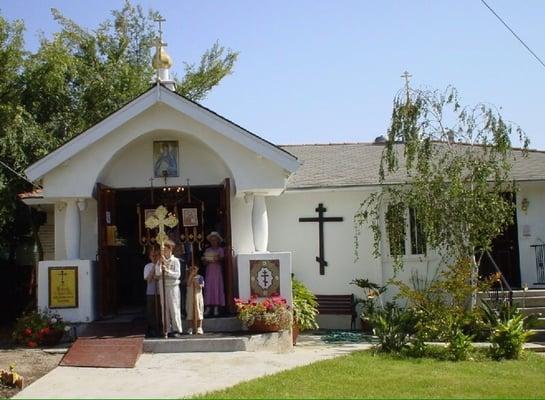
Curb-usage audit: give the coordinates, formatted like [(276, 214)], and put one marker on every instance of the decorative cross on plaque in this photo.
[(321, 219), (161, 219), (62, 274)]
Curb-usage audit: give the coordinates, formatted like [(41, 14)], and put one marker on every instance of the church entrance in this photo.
[(123, 239), (505, 253)]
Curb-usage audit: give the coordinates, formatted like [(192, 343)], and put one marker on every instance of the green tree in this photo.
[(73, 80), (450, 165)]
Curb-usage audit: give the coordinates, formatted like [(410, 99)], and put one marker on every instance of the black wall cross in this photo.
[(321, 219)]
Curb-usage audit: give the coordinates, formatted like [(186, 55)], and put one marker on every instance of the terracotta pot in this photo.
[(262, 327), (295, 333), (52, 338)]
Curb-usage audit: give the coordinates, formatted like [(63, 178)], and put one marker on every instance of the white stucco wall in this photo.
[(88, 229), (133, 165), (286, 233)]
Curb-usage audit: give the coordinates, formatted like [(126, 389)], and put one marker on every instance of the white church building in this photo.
[(163, 149)]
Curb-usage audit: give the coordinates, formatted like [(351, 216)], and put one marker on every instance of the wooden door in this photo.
[(107, 281), (225, 206)]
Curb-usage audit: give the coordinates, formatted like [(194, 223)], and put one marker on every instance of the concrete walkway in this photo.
[(180, 375)]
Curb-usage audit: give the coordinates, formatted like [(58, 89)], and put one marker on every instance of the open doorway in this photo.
[(505, 252), (121, 283)]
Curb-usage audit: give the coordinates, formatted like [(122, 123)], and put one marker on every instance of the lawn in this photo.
[(364, 374)]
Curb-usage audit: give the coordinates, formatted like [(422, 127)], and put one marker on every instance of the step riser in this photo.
[(219, 325), (537, 337), (530, 302), (539, 324), (537, 349), (275, 341), (194, 346)]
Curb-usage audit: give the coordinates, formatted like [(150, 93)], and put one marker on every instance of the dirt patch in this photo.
[(30, 363)]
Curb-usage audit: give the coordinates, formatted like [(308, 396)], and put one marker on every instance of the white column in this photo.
[(260, 223), (72, 230)]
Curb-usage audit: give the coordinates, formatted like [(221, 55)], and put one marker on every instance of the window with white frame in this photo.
[(408, 224)]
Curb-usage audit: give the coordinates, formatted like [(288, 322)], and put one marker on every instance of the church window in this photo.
[(405, 231), (418, 242)]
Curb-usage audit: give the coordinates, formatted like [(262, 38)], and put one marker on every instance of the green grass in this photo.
[(369, 375)]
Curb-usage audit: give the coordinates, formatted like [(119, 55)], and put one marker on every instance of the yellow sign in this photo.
[(63, 287)]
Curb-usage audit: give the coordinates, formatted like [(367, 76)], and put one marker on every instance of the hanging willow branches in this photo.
[(451, 166)]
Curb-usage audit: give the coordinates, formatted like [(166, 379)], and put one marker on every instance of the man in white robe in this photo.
[(171, 295)]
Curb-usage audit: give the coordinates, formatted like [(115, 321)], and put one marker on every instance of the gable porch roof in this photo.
[(160, 94)]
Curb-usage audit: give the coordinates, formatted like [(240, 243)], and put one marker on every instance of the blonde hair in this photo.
[(170, 244)]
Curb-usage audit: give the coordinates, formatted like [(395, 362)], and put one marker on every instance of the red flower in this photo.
[(27, 332), (32, 344), (44, 331)]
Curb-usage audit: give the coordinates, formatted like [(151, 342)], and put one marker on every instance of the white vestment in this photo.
[(172, 295)]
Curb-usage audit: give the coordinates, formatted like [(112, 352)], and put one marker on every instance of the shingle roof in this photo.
[(357, 164)]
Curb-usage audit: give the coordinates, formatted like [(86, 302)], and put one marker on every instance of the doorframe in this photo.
[(104, 252)]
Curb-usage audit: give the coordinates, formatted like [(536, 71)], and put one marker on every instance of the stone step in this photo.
[(520, 293), (529, 293), (532, 310), (535, 347), (523, 301), (222, 342)]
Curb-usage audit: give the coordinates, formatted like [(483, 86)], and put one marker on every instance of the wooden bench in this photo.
[(338, 304)]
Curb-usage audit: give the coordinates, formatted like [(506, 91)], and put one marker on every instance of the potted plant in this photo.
[(270, 314), (305, 309), (371, 292), (39, 328)]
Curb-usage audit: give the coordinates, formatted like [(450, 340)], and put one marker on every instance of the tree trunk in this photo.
[(474, 279)]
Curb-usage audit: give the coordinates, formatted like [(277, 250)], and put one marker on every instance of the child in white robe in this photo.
[(151, 292), (171, 267), (195, 284)]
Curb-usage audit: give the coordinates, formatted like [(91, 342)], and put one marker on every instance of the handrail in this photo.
[(539, 249), (502, 278)]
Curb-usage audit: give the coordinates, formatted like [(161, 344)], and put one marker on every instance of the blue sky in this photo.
[(326, 71)]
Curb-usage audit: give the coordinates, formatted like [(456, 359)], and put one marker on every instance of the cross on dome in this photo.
[(161, 61)]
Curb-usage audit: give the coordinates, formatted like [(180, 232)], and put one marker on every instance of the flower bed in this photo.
[(39, 328), (268, 314)]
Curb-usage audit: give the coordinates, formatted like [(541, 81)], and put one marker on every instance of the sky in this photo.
[(314, 71)]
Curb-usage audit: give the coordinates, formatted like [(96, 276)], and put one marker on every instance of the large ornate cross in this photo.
[(160, 219), (321, 219)]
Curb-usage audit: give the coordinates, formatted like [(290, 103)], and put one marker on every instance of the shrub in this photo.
[(443, 302), (459, 346), (305, 306), (393, 326), (508, 338), (371, 293)]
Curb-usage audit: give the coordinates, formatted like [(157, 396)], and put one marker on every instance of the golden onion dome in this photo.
[(161, 59)]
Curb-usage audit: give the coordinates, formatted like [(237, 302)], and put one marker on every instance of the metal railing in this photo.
[(540, 262), (502, 291)]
